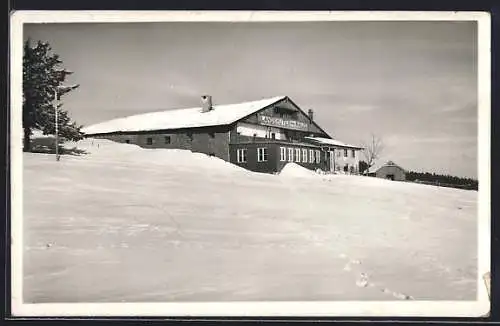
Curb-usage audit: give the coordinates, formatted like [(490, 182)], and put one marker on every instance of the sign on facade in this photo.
[(282, 123)]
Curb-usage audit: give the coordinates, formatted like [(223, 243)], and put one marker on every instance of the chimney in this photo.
[(310, 113), (206, 103)]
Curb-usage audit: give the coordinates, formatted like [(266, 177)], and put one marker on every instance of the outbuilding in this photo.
[(262, 135), (389, 170)]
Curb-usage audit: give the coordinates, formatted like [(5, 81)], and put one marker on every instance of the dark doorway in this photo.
[(390, 176)]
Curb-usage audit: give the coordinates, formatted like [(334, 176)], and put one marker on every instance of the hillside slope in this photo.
[(129, 224)]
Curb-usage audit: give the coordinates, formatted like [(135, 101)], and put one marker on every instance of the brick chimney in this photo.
[(310, 113), (206, 103)]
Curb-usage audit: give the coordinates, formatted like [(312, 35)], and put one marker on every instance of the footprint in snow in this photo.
[(347, 267), (402, 296), (398, 295), (362, 281)]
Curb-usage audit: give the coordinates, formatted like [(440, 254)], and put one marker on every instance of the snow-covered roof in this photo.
[(376, 167), (182, 118), (332, 142)]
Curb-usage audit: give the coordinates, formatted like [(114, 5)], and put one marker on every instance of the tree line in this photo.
[(444, 180)]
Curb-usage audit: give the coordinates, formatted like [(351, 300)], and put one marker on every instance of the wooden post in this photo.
[(56, 122)]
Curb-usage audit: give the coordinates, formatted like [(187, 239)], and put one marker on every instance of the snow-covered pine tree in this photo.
[(42, 77)]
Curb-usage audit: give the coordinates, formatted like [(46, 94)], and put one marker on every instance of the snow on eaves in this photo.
[(334, 142), (378, 166), (181, 118)]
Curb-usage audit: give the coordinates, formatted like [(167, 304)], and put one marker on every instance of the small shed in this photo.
[(391, 171)]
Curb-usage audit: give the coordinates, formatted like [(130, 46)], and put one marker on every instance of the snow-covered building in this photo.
[(261, 135), (388, 170)]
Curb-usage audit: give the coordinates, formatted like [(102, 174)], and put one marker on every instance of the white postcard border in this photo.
[(476, 308)]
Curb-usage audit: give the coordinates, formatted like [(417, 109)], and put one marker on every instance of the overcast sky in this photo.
[(414, 84)]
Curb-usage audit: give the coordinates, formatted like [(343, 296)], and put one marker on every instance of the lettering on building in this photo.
[(282, 123)]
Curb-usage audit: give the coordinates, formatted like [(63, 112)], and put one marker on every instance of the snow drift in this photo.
[(295, 170)]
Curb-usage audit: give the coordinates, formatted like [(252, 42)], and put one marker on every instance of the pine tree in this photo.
[(42, 79)]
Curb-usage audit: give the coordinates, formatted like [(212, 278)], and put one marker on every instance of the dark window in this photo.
[(297, 155), (241, 155), (127, 141), (149, 141), (346, 168), (351, 169), (353, 153), (262, 154), (345, 152), (282, 154), (212, 135), (273, 135), (167, 139)]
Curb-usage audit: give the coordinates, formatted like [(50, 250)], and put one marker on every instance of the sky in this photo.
[(413, 84)]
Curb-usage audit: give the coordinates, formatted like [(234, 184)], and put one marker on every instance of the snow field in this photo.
[(129, 224)]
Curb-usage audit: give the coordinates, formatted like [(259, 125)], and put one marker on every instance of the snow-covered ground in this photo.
[(129, 224)]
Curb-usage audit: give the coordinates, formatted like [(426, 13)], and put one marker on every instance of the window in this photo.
[(282, 154), (241, 155), (311, 156), (273, 135), (262, 154), (167, 139), (351, 169), (338, 153), (212, 135), (290, 154), (149, 141), (127, 141), (318, 156), (297, 155), (345, 152), (304, 155), (346, 167), (353, 153)]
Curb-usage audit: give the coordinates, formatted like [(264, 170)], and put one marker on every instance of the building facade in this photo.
[(261, 136)]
